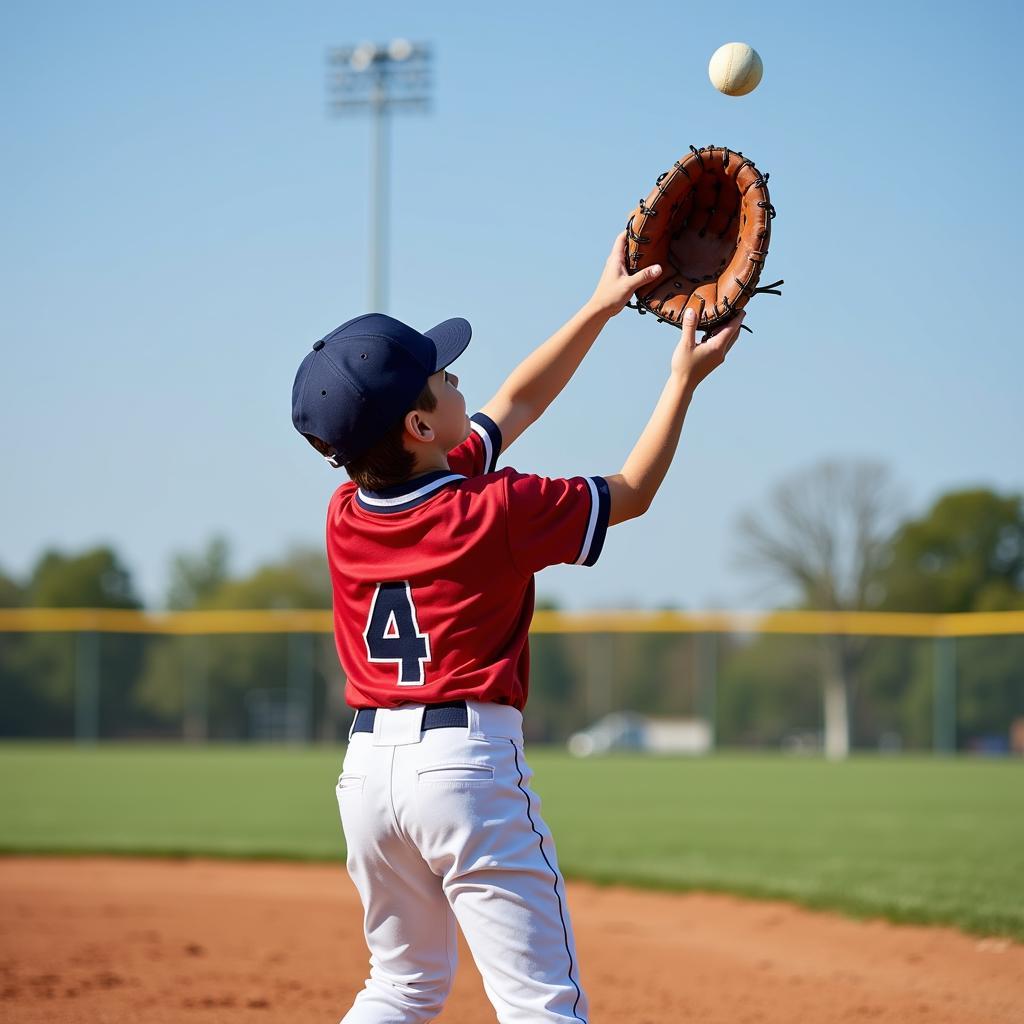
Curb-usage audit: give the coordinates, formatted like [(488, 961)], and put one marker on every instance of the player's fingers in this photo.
[(735, 335), (645, 276), (689, 327), (725, 337), (617, 257)]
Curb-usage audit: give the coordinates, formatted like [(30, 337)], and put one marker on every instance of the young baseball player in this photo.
[(432, 554)]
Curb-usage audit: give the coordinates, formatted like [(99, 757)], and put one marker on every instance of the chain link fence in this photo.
[(781, 681)]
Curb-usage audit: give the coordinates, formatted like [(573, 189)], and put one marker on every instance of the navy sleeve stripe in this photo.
[(597, 524), (490, 434), (588, 532)]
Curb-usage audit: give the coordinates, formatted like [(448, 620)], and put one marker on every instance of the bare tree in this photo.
[(823, 534)]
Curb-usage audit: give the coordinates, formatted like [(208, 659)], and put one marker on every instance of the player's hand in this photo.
[(693, 360), (617, 284)]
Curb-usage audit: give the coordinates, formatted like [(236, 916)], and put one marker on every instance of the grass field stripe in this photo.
[(913, 837)]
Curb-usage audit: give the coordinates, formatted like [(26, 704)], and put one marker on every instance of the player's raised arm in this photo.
[(632, 489), (536, 381)]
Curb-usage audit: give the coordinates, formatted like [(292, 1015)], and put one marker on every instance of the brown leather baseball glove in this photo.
[(707, 222)]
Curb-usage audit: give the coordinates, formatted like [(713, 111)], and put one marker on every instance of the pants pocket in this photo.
[(467, 774), (348, 781)]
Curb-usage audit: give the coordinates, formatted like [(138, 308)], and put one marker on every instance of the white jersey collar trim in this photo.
[(417, 491)]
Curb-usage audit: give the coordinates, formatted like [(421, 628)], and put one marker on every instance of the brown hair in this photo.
[(388, 461)]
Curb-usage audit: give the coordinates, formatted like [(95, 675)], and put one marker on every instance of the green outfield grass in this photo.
[(912, 839)]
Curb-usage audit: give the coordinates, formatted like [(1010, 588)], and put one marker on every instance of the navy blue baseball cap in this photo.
[(360, 379)]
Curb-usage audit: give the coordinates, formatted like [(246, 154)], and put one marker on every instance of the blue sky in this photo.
[(181, 220)]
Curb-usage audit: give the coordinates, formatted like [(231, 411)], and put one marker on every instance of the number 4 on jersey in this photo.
[(393, 634)]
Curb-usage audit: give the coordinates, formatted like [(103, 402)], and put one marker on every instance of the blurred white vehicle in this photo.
[(629, 730)]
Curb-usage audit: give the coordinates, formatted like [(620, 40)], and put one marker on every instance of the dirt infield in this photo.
[(108, 940)]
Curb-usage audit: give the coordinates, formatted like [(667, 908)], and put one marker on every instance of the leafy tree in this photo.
[(656, 673), (93, 579), (19, 703), (12, 594), (823, 534), (555, 703), (212, 682), (196, 578), (768, 690), (38, 695), (966, 553), (300, 579)]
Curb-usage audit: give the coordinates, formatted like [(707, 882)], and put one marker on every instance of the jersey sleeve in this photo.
[(553, 520), (478, 454)]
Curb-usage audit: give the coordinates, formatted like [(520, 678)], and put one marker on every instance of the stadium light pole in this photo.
[(395, 76)]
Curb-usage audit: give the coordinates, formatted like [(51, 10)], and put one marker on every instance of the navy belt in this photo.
[(435, 716)]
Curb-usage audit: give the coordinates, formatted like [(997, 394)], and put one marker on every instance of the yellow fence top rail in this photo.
[(116, 620)]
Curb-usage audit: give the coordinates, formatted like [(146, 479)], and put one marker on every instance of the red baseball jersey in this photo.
[(433, 578)]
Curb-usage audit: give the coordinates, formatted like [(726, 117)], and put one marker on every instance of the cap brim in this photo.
[(450, 339)]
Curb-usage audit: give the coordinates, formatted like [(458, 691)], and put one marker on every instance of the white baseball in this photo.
[(735, 69)]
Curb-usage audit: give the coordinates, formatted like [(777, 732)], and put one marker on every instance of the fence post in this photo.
[(196, 702), (600, 653), (87, 686), (944, 696), (707, 682), (300, 686)]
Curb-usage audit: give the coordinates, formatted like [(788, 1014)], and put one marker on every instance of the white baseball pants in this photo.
[(441, 826)]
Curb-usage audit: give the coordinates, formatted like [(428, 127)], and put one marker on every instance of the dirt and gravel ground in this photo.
[(107, 940)]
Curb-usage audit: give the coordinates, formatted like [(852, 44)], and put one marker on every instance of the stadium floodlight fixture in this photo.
[(379, 78), (400, 49)]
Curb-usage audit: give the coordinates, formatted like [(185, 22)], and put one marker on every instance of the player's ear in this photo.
[(418, 427)]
